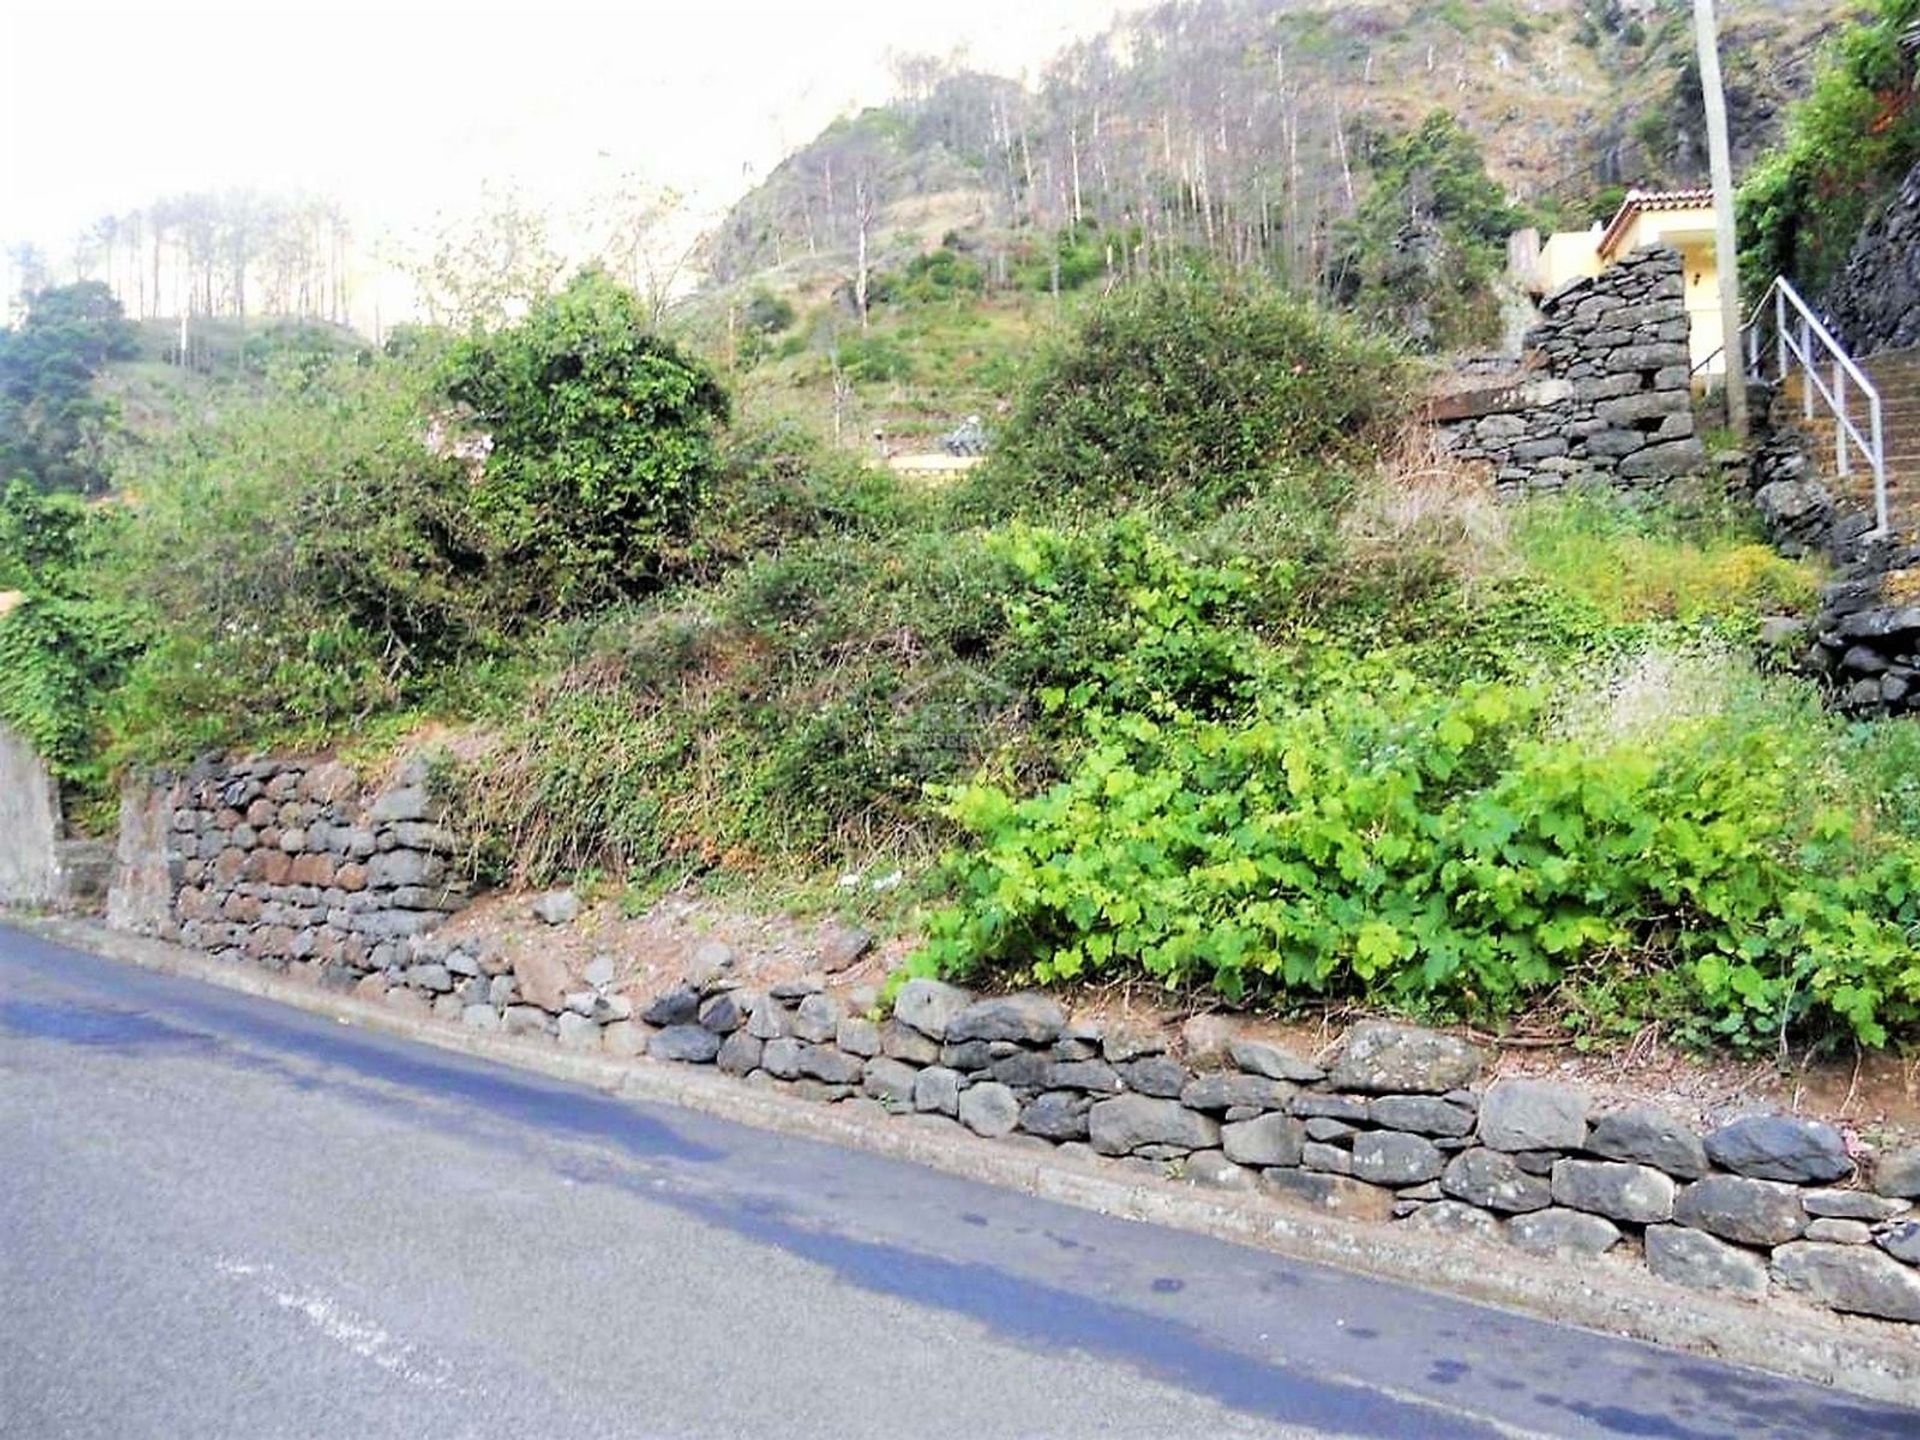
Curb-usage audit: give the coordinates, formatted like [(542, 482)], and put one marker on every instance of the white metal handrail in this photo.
[(1799, 338)]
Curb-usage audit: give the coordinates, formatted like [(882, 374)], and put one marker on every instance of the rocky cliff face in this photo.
[(1875, 304)]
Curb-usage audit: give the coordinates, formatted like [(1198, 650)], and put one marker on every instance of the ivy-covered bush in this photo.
[(63, 646), (603, 445)]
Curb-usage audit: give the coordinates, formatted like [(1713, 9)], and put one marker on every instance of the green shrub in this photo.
[(63, 649), (603, 446), (1847, 144), (1436, 852), (874, 359), (1201, 389), (304, 559)]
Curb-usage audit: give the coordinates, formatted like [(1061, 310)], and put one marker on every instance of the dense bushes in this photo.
[(1847, 145), (305, 560), (603, 445), (1421, 252), (1197, 390), (63, 647), (1455, 852), (339, 544), (53, 427)]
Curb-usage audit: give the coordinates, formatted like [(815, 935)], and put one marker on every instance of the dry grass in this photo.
[(1425, 501)]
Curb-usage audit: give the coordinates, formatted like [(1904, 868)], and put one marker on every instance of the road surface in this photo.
[(220, 1217)]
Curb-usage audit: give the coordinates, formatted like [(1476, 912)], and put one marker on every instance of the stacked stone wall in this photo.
[(288, 865), (1875, 304), (285, 861), (1863, 642), (1607, 397)]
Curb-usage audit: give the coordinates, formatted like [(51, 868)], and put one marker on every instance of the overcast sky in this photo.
[(402, 109)]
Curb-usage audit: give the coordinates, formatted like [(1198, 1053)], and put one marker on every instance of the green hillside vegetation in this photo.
[(1206, 679), (1212, 677)]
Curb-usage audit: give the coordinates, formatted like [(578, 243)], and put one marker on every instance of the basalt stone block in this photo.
[(1331, 1159), (890, 1082), (1492, 1181), (1901, 1241), (1157, 1075), (1267, 1140), (1390, 1157), (1533, 1115), (1648, 1135), (1696, 1260), (1667, 460), (903, 1042), (928, 1006), (1780, 1147), (817, 1018), (1752, 1212), (826, 1064), (1091, 1075), (1023, 1070), (989, 1109), (1382, 1059), (678, 1006), (858, 1036), (1207, 1040), (968, 1056), (1214, 1171), (739, 1053), (1858, 1280), (1275, 1062), (1125, 1123), (1562, 1232), (1852, 1205), (1131, 1042), (1309, 1105), (1897, 1174), (692, 1044), (936, 1090), (780, 1058), (1056, 1115), (1637, 1194), (1225, 1090), (1840, 1232), (577, 1032), (1421, 1115), (1030, 1019), (1451, 1217)]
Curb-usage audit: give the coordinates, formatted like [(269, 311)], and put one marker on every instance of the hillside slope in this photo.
[(1244, 125)]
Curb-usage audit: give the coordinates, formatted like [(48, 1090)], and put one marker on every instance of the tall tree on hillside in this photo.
[(52, 427)]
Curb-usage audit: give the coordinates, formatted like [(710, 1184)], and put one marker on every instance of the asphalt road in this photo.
[(219, 1217)]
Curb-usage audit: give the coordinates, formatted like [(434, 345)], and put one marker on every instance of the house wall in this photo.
[(30, 827)]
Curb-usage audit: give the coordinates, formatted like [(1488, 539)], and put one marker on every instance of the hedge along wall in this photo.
[(1608, 399), (285, 861)]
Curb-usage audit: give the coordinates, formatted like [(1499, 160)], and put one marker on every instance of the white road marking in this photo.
[(356, 1333)]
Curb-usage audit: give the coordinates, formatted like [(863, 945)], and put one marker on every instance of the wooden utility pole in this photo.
[(1726, 247)]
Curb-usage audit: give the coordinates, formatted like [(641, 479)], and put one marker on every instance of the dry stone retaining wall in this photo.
[(1397, 1128), (286, 864), (287, 861), (1607, 398)]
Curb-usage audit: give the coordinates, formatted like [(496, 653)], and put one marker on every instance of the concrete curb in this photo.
[(1860, 1356)]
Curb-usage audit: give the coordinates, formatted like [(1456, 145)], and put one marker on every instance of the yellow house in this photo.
[(1682, 219)]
